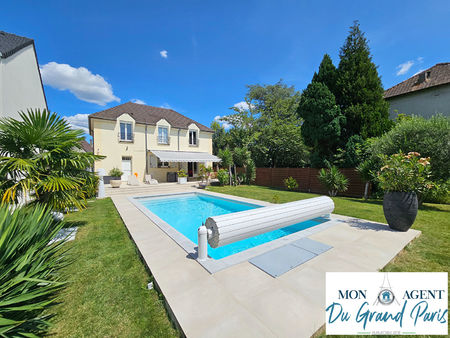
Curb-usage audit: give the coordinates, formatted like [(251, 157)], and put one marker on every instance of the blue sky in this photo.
[(197, 56)]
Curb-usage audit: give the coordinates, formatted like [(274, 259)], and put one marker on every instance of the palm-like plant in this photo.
[(41, 156), (333, 180), (28, 270)]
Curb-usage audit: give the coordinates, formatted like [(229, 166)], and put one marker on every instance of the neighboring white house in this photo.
[(20, 79), (426, 93), (141, 140)]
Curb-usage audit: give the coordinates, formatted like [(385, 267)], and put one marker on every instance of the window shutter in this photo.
[(153, 161)]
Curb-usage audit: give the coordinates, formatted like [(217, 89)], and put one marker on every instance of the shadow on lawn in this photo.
[(358, 200), (429, 208), (72, 224), (426, 207)]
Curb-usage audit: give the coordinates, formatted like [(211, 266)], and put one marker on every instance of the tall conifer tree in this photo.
[(327, 73), (321, 128), (359, 91)]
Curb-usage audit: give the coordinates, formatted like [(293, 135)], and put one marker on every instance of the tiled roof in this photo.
[(11, 43), (437, 75), (148, 115), (86, 146)]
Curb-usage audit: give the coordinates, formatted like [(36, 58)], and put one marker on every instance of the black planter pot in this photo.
[(400, 209), (107, 179)]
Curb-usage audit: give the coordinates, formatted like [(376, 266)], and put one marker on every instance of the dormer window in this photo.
[(163, 135), (193, 137), (126, 134)]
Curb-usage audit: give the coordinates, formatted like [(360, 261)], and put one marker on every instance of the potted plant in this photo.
[(402, 177), (205, 175), (116, 179), (182, 177)]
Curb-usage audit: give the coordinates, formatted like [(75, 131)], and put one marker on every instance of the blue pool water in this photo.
[(186, 213)]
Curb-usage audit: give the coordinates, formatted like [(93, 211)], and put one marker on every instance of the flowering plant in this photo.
[(181, 173), (405, 173)]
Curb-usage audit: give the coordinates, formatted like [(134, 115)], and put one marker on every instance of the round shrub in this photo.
[(290, 183), (222, 176), (429, 137)]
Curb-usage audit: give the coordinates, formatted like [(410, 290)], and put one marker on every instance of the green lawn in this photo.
[(430, 252), (107, 292)]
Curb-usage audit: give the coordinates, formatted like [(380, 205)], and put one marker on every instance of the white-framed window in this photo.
[(163, 164), (193, 137), (126, 131), (163, 135)]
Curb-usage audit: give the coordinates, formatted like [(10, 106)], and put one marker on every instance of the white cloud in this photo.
[(224, 124), (420, 59), (164, 54), (79, 81), (138, 101), (403, 68), (166, 105), (243, 106), (79, 121)]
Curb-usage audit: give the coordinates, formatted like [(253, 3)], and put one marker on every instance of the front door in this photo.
[(192, 169), (126, 168)]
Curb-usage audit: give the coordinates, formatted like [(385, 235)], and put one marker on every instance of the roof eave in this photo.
[(143, 123), (416, 91)]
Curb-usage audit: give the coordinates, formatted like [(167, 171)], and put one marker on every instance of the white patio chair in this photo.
[(149, 180), (132, 180)]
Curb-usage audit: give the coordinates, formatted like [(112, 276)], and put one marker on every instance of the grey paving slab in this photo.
[(279, 261), (312, 246)]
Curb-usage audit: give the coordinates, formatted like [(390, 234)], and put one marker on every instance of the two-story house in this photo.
[(20, 79), (140, 139), (426, 93)]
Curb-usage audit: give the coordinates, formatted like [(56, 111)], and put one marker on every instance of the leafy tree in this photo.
[(327, 73), (250, 172), (227, 160), (269, 126), (42, 156), (322, 124), (273, 101), (353, 153), (241, 156), (280, 144), (219, 138), (359, 90)]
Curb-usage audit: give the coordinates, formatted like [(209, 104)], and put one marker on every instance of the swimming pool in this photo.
[(187, 212)]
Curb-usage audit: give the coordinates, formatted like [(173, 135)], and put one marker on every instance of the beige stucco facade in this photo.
[(426, 103), (106, 142), (20, 83)]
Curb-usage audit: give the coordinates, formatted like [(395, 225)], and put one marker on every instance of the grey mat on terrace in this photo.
[(279, 261)]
